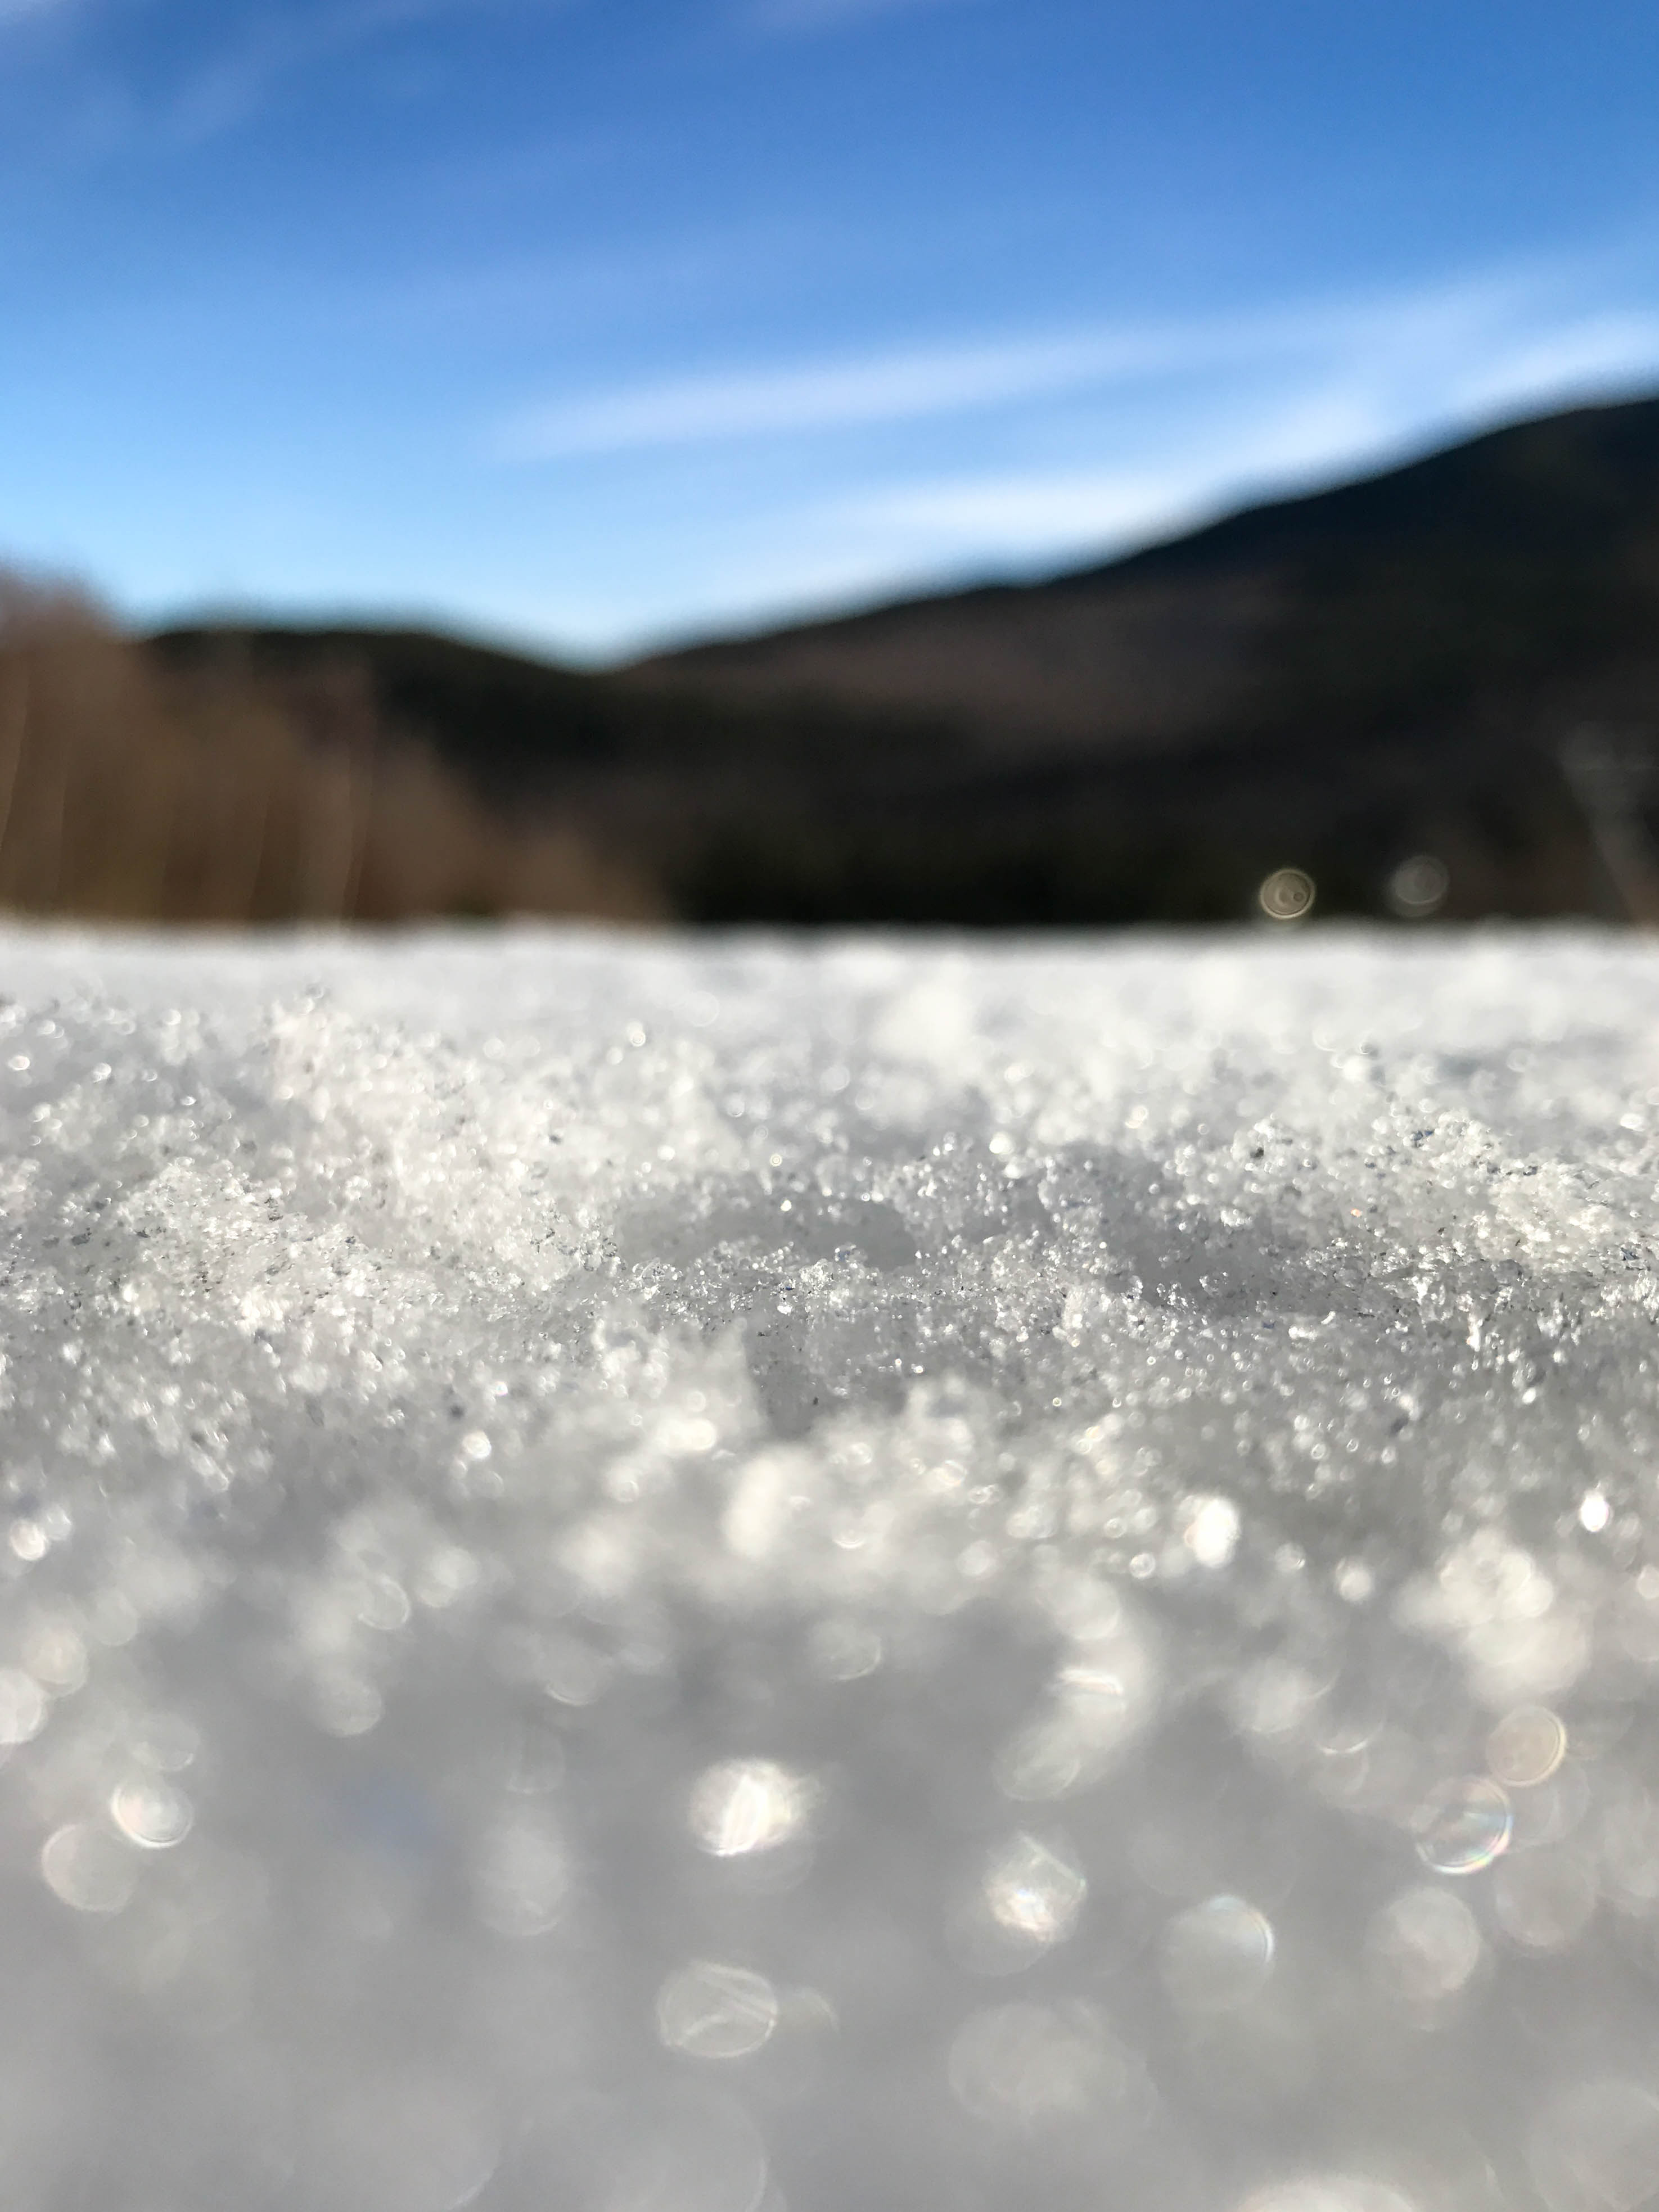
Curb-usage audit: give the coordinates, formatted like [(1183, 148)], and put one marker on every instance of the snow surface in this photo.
[(651, 1576)]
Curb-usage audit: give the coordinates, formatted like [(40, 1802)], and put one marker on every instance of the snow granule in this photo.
[(668, 1576)]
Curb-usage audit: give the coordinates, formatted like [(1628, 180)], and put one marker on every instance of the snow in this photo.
[(652, 1575)]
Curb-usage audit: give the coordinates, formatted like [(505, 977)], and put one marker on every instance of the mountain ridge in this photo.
[(1546, 495), (1421, 661)]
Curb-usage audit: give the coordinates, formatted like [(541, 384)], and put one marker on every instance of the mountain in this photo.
[(1500, 562), (1456, 661)]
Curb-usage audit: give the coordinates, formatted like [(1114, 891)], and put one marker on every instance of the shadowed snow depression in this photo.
[(653, 1577)]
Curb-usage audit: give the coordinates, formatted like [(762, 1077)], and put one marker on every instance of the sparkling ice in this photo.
[(642, 1576)]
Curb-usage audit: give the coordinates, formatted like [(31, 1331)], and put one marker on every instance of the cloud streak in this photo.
[(820, 396), (1460, 348), (1029, 511), (1264, 408), (1339, 415)]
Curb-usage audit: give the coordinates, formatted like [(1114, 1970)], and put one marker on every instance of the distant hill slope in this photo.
[(1459, 657), (1528, 554)]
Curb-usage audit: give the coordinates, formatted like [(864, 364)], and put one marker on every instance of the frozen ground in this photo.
[(645, 1578)]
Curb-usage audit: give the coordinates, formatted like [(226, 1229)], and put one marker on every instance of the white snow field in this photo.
[(641, 1575)]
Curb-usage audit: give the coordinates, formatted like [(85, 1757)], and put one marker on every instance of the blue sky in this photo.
[(590, 322)]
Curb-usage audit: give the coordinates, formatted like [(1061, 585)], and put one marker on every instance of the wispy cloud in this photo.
[(1487, 344), (1263, 406), (825, 395), (1023, 512), (1183, 478), (1584, 353), (1340, 413)]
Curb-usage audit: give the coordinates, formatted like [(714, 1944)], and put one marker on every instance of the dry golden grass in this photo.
[(132, 792)]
